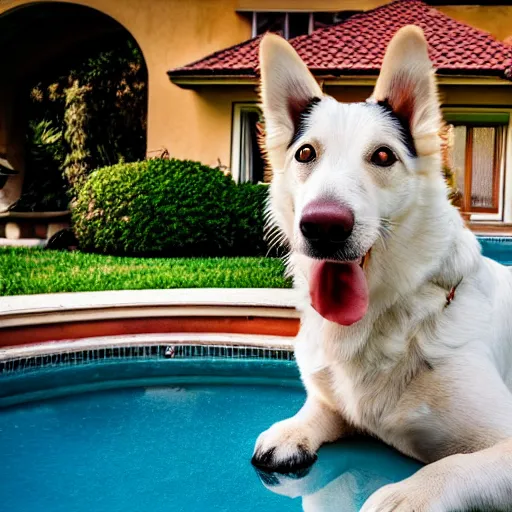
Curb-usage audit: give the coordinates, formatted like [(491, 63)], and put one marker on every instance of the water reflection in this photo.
[(344, 476)]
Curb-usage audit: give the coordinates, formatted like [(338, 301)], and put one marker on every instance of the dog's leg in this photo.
[(291, 444), (475, 481), (476, 423)]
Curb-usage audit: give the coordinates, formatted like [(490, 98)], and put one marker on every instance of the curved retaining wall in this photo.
[(69, 317)]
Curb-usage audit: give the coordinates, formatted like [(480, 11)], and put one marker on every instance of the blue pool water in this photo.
[(497, 248), (168, 436), (172, 435)]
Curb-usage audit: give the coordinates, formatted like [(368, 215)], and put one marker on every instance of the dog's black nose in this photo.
[(326, 222)]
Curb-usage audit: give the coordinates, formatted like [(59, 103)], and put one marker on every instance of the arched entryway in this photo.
[(63, 60)]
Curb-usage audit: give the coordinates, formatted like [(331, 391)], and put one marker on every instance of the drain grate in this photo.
[(140, 352)]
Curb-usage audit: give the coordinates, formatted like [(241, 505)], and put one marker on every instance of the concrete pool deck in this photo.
[(32, 319)]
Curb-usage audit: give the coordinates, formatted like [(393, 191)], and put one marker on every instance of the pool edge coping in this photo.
[(76, 301), (45, 318), (138, 340)]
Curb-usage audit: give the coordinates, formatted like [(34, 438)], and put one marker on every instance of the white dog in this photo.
[(406, 329)]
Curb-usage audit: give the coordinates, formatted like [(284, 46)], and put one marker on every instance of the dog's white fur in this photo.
[(432, 380)]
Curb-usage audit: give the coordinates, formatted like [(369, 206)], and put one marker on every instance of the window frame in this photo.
[(236, 134), (502, 190), (286, 26), (452, 115)]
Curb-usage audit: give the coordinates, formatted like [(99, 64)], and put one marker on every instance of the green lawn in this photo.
[(27, 271)]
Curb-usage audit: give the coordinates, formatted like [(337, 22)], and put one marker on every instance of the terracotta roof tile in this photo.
[(357, 46)]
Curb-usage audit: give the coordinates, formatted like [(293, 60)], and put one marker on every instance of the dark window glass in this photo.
[(298, 24), (269, 22), (326, 19), (252, 165)]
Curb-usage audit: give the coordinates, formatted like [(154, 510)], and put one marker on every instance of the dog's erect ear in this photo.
[(287, 89), (407, 84)]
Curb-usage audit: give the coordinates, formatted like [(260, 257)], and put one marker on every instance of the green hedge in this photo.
[(169, 207), (248, 202)]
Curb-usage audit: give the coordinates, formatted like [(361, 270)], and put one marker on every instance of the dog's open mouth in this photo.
[(339, 291)]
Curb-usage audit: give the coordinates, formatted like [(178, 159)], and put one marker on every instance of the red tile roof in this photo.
[(357, 45)]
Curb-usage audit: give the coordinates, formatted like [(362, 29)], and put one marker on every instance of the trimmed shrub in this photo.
[(248, 203), (169, 208)]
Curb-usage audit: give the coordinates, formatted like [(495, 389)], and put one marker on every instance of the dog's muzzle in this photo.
[(326, 226)]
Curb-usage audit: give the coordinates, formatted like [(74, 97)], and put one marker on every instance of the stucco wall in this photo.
[(309, 5), (213, 138), (196, 124), (496, 19), (170, 33), (451, 95)]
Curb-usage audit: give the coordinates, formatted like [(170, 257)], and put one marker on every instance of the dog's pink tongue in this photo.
[(339, 291)]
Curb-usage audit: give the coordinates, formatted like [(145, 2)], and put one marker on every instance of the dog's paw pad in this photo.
[(294, 461), (284, 448)]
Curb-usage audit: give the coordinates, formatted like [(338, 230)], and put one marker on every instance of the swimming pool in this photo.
[(497, 248), (166, 429), (159, 427)]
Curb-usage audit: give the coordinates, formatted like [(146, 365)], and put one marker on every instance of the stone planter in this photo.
[(32, 225)]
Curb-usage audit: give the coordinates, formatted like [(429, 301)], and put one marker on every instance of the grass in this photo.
[(27, 271)]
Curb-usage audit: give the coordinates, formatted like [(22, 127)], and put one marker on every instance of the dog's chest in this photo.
[(366, 388), (364, 399), (348, 394)]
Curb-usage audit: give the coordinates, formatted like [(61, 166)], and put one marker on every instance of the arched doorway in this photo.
[(74, 90)]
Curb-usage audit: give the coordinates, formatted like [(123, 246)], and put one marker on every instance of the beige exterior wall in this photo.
[(170, 33), (309, 5), (495, 19), (452, 95), (196, 123), (216, 106)]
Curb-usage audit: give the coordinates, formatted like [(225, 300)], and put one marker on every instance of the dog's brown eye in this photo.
[(305, 154), (383, 157)]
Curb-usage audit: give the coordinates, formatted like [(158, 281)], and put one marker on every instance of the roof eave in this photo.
[(190, 81), (442, 78)]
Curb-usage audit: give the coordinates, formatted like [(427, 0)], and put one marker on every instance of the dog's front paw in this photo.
[(403, 497), (284, 448)]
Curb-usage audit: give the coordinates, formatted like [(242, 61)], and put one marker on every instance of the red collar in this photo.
[(451, 294)]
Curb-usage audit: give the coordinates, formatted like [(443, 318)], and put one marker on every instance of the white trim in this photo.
[(311, 23), (507, 213), (286, 28), (254, 24), (504, 208), (79, 301), (235, 143), (496, 216), (236, 134), (352, 81)]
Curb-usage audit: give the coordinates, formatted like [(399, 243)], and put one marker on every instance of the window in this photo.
[(247, 163), (297, 24), (293, 24), (477, 156), (325, 19), (267, 22)]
